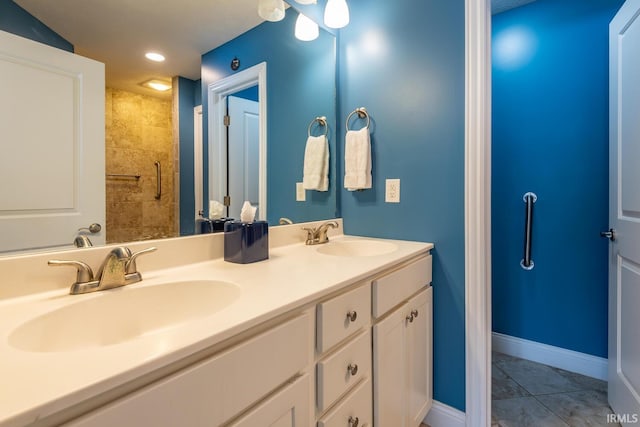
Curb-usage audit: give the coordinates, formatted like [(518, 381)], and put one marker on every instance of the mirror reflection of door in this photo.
[(242, 150)]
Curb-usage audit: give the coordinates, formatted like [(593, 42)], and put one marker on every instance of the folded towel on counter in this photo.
[(357, 160), (316, 164)]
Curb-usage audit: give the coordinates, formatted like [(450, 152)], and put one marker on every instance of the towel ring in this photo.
[(322, 121), (362, 113)]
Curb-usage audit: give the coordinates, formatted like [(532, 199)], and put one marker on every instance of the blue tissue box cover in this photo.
[(246, 242)]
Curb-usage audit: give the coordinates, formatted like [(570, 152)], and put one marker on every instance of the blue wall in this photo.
[(404, 61), (300, 86), (16, 20), (187, 90), (550, 136)]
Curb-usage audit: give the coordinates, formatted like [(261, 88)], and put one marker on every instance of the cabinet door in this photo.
[(419, 354), (389, 370), (290, 407)]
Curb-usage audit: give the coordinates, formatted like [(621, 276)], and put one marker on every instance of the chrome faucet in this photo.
[(82, 241), (118, 269), (316, 236)]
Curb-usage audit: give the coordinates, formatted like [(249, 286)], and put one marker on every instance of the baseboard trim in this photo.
[(442, 415), (569, 360)]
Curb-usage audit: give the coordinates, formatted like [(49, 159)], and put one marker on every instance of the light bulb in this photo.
[(271, 10), (306, 30), (336, 14)]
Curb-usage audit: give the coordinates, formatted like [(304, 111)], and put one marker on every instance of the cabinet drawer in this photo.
[(213, 391), (289, 407), (356, 406), (342, 316), (395, 287), (341, 370)]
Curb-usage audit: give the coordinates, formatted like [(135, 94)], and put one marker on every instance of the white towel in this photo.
[(357, 160), (316, 164)]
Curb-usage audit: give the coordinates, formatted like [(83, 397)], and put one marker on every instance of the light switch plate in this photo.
[(301, 194), (392, 191)]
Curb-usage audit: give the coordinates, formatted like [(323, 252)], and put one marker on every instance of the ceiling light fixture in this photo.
[(157, 84), (306, 30), (336, 14), (271, 10), (154, 56), (307, 1)]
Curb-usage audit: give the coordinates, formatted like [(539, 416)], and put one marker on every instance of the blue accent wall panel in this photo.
[(300, 86), (16, 20), (186, 102), (404, 61), (550, 136)]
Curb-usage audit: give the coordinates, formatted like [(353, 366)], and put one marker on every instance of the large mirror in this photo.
[(300, 85)]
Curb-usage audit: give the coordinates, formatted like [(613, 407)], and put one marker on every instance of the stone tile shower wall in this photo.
[(138, 132)]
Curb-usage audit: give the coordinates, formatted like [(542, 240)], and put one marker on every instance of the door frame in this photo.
[(197, 160), (217, 93), (478, 212)]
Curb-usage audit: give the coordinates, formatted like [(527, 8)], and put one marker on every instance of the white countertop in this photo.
[(38, 384)]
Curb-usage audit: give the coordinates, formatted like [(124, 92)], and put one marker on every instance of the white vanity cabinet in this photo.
[(402, 345), (261, 372), (361, 356), (343, 370)]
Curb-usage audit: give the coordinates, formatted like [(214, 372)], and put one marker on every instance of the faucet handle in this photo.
[(311, 234), (84, 272), (131, 263)]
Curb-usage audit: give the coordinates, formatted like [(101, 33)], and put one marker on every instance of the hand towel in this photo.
[(357, 160), (316, 164)]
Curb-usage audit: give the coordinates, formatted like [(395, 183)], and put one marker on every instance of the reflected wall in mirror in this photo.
[(299, 74), (301, 86)]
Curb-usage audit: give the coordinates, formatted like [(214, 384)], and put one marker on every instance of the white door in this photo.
[(52, 133), (244, 154), (624, 213)]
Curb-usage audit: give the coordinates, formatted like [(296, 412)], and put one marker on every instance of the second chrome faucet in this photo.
[(316, 236), (118, 269)]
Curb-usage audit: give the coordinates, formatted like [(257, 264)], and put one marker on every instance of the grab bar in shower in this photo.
[(159, 180), (529, 199)]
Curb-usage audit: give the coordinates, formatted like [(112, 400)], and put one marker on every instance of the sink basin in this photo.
[(357, 248), (117, 315)]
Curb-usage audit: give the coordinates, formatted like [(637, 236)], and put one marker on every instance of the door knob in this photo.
[(610, 234), (93, 228)]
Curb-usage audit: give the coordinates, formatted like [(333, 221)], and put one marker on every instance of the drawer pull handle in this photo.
[(352, 315), (353, 422), (414, 313), (352, 369), (410, 318)]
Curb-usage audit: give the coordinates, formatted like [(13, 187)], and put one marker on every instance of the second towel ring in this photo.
[(322, 121), (362, 113)]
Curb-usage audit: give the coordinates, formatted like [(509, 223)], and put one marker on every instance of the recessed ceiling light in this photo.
[(157, 84), (154, 56)]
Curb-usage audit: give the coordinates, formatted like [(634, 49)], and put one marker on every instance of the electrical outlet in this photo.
[(301, 194), (392, 191)]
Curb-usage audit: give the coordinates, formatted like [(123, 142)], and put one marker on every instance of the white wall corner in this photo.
[(569, 360), (442, 415), (478, 212)]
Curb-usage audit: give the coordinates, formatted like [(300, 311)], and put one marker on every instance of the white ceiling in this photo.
[(119, 32), (498, 6)]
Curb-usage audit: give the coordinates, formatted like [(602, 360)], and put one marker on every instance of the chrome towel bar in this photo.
[(322, 121), (529, 199), (159, 180)]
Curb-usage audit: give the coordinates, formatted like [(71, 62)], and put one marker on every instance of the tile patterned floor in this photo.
[(526, 393)]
